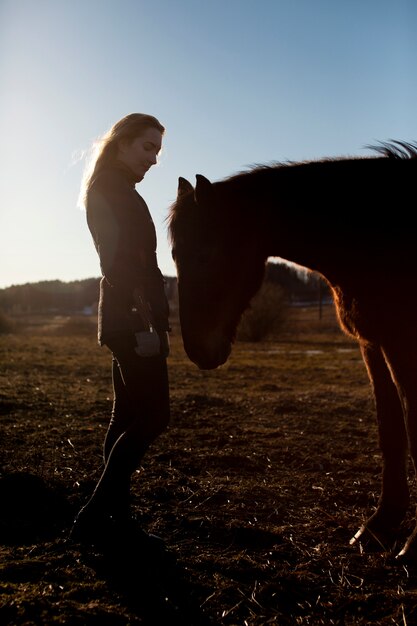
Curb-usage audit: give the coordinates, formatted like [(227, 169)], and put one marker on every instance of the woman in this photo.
[(132, 317)]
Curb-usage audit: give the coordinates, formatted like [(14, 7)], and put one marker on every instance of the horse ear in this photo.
[(203, 190), (184, 187)]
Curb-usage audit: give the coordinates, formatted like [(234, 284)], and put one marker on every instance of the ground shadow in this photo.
[(155, 587), (31, 510)]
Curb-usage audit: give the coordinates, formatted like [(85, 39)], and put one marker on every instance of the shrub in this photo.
[(266, 315), (77, 325), (7, 325)]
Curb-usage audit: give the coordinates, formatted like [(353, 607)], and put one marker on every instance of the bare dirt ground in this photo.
[(269, 466)]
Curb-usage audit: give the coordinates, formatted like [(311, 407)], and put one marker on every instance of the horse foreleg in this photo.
[(380, 530), (401, 357)]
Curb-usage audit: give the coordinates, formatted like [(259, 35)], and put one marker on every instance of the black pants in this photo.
[(140, 414), (141, 397)]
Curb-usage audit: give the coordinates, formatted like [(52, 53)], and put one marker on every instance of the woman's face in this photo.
[(142, 152)]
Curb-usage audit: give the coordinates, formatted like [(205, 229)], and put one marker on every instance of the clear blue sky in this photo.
[(235, 82)]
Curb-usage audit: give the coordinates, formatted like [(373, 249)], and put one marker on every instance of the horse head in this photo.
[(219, 267)]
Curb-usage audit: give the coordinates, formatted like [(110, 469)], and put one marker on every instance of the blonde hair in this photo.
[(104, 150)]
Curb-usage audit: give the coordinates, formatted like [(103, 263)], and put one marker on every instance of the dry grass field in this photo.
[(269, 466)]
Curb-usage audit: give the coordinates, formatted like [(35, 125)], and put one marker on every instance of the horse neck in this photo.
[(270, 209), (246, 212), (326, 215)]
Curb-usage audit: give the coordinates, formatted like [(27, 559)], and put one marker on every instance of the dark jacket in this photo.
[(125, 239)]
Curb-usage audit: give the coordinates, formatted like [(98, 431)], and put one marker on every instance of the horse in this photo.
[(347, 219)]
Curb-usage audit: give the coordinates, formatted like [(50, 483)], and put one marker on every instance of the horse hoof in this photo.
[(372, 541), (409, 552), (406, 555)]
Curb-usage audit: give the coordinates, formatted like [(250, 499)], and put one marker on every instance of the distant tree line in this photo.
[(49, 296), (60, 297)]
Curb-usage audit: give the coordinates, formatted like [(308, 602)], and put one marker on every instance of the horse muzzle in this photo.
[(208, 352)]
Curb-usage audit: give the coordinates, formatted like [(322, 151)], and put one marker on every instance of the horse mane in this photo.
[(396, 149), (392, 149)]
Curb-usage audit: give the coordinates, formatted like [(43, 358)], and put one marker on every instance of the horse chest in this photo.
[(357, 316)]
